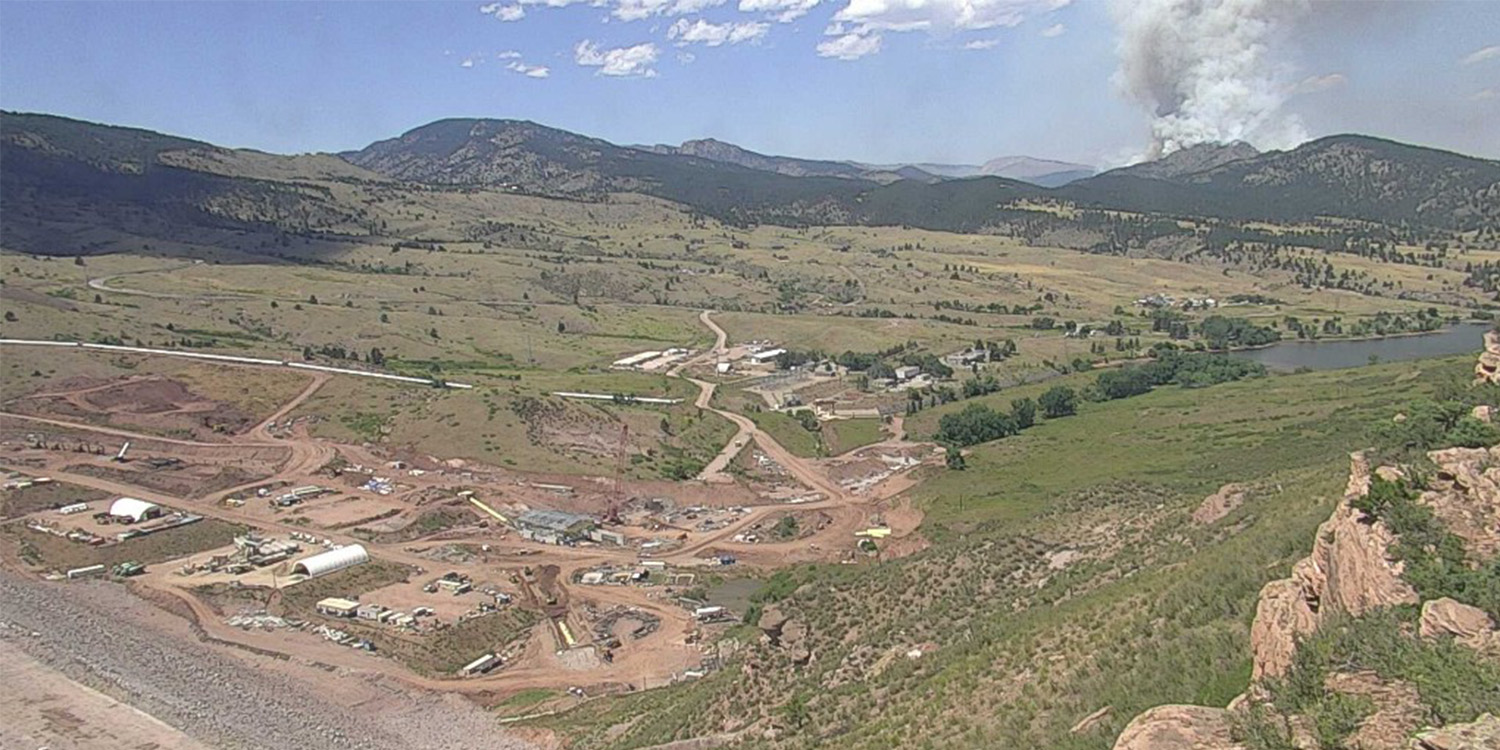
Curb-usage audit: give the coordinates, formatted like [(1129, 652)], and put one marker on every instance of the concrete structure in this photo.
[(331, 561), (337, 607), (907, 372), (966, 357), (134, 510)]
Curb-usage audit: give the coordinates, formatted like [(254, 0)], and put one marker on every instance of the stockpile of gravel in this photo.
[(79, 630)]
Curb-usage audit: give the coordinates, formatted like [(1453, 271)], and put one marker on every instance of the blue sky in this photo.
[(874, 80)]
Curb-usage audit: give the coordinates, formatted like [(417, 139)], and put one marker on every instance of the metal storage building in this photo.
[(331, 561)]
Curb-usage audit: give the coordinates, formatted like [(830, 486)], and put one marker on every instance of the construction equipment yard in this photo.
[(468, 579)]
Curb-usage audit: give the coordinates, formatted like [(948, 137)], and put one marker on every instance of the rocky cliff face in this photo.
[(1351, 572), (1487, 370)]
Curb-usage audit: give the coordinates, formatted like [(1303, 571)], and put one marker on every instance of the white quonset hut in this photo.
[(133, 509), (331, 561)]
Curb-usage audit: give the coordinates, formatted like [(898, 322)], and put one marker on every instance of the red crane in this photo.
[(617, 497)]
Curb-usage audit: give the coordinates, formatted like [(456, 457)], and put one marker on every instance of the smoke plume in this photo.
[(1206, 70)]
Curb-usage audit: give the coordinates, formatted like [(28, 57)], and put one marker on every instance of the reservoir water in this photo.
[(1332, 355)]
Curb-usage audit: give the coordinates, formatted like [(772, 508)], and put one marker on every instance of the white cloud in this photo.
[(715, 34), (467, 63), (982, 44), (635, 10), (1485, 95), (625, 62), (783, 11), (1481, 55), (912, 15), (503, 11), (530, 71), (850, 46), (686, 57), (509, 54), (1314, 84), (1055, 30)]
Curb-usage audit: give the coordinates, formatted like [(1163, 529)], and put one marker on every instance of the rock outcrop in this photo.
[(1348, 571), (1465, 496), (1482, 733), (1179, 728), (1487, 370), (1351, 572)]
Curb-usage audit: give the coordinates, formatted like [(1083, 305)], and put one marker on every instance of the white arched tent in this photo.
[(331, 561), (133, 509)]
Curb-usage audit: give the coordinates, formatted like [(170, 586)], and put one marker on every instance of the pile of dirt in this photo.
[(1219, 504), (145, 402)]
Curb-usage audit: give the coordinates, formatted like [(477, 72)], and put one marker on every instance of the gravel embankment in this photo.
[(86, 632)]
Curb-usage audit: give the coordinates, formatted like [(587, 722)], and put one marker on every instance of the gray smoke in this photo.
[(1207, 71)]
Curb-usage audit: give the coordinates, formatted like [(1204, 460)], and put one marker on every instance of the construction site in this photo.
[(456, 576)]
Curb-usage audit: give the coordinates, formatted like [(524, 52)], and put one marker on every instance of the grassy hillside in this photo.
[(1069, 577)]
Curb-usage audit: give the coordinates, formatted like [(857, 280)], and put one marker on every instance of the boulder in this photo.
[(1174, 727), (1482, 733), (1448, 617)]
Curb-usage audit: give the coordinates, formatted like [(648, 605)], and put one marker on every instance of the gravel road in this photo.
[(99, 635)]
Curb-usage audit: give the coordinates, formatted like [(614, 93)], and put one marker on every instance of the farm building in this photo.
[(331, 561), (134, 510), (907, 372)]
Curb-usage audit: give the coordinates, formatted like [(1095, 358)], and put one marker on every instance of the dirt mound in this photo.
[(148, 403), (1219, 504)]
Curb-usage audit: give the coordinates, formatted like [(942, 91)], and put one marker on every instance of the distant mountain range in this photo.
[(1043, 172), (56, 170)]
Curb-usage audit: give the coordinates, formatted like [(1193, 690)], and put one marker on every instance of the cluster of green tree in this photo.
[(1221, 332), (1188, 369), (997, 308), (1387, 323), (1428, 424), (1172, 323), (979, 423), (796, 358), (982, 386), (1313, 329), (1254, 299)]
